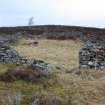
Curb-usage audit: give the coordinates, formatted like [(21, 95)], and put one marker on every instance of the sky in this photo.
[(89, 13)]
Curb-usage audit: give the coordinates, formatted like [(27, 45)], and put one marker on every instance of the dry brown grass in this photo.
[(60, 53)]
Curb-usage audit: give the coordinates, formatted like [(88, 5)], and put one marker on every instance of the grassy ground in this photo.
[(86, 88), (60, 53)]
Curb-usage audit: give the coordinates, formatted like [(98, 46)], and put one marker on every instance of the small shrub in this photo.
[(26, 74)]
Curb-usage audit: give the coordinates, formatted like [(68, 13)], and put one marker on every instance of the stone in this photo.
[(92, 55)]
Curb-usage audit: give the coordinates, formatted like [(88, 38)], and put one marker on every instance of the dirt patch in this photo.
[(35, 43)]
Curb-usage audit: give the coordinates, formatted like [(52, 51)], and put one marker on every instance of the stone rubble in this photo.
[(92, 55)]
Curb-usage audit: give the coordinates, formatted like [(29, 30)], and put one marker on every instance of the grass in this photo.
[(88, 88), (60, 53), (5, 67)]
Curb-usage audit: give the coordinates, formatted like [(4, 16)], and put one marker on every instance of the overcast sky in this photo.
[(59, 12)]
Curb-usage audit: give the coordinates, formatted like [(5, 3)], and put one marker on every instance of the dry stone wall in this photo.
[(9, 55), (92, 55)]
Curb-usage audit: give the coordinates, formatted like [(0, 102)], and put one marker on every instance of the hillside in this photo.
[(56, 32)]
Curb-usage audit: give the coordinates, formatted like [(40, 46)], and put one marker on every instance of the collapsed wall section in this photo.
[(9, 55)]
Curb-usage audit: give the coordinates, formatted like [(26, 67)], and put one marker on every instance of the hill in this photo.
[(57, 32)]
